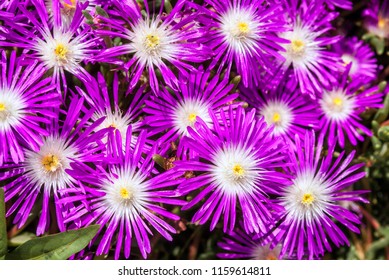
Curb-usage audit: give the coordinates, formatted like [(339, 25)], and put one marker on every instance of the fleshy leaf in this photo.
[(58, 246)]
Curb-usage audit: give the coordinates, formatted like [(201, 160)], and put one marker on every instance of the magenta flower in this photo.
[(162, 42), (25, 99), (105, 102), (312, 200), (361, 56), (58, 49), (243, 33), (171, 114), (376, 18), (340, 108), (307, 57), (43, 174), (286, 109), (126, 200), (237, 163)]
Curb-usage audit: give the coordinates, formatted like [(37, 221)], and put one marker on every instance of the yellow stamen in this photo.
[(382, 22), (192, 117), (276, 117), (2, 107), (238, 170), (307, 199), (298, 46), (61, 51), (124, 193), (243, 27), (72, 4), (271, 257), (152, 41), (50, 162), (337, 101)]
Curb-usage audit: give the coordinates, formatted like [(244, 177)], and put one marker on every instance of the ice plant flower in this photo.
[(25, 99), (67, 10), (307, 56), (243, 33), (56, 48), (240, 245), (126, 200), (237, 161), (344, 4), (171, 114), (286, 109), (43, 173), (340, 110), (153, 42), (106, 105), (360, 55), (376, 18), (311, 200)]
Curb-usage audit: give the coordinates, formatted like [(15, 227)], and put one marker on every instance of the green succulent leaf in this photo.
[(55, 247)]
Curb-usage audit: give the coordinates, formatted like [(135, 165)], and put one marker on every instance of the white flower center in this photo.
[(116, 120), (152, 41), (307, 197), (125, 193), (302, 48), (278, 114), (239, 28), (337, 105), (186, 112), (47, 167), (11, 109), (60, 50), (347, 59), (235, 171)]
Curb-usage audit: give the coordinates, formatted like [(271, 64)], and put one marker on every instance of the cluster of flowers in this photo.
[(92, 92)]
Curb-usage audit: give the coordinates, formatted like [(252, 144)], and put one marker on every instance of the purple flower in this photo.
[(362, 59), (171, 114), (153, 42), (340, 108), (43, 174), (236, 170), (312, 200), (286, 109), (243, 33), (240, 245), (24, 101), (125, 199), (376, 18), (56, 48), (106, 105), (306, 56), (344, 4), (67, 9)]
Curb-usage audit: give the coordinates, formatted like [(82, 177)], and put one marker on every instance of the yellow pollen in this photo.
[(152, 41), (238, 170), (50, 162), (243, 27), (124, 193), (192, 117), (72, 4), (276, 117), (337, 101), (271, 257), (2, 107), (61, 51), (382, 22), (307, 199), (298, 46)]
